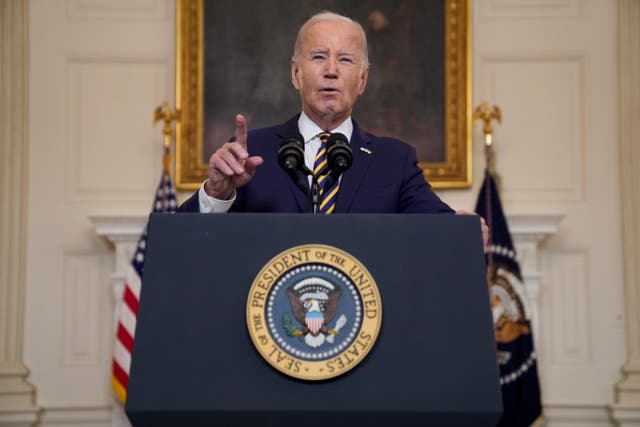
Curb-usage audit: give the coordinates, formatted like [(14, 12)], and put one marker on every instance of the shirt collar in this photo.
[(309, 129)]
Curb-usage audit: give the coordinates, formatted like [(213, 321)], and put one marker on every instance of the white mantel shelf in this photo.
[(127, 228), (533, 225), (119, 228)]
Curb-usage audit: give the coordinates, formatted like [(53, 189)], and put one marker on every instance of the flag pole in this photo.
[(163, 112), (487, 114)]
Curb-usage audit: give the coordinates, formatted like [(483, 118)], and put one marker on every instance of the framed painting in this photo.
[(234, 57)]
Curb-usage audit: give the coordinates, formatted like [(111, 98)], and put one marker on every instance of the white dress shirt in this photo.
[(309, 131)]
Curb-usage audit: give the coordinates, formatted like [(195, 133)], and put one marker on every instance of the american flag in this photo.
[(164, 202)]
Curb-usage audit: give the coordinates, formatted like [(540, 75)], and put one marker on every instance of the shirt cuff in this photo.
[(210, 204)]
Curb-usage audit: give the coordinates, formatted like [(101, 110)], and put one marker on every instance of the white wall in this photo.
[(98, 68), (552, 67)]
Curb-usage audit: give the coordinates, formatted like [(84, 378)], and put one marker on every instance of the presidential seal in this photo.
[(314, 312)]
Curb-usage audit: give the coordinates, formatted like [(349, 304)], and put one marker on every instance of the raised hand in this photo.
[(230, 166)]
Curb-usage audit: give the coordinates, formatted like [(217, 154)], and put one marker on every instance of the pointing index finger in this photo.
[(241, 131)]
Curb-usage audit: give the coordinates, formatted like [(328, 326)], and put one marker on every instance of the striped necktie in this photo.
[(327, 195)]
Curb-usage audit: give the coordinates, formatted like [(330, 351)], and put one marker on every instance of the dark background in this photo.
[(248, 46)]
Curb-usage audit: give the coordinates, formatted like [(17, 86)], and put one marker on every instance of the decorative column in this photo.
[(527, 232), (123, 231), (626, 410), (17, 396)]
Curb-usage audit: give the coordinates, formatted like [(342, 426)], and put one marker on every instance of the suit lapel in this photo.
[(301, 198), (352, 178)]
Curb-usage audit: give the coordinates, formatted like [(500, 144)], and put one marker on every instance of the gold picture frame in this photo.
[(453, 170)]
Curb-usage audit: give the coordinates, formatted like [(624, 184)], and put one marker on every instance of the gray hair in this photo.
[(326, 16)]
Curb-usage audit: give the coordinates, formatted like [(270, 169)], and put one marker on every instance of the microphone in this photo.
[(291, 153), (291, 159), (339, 154), (339, 157)]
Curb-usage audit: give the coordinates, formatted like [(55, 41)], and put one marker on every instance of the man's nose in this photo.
[(331, 68)]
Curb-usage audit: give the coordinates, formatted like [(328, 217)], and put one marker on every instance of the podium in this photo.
[(434, 361)]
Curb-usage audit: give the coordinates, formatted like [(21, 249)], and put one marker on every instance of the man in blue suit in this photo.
[(329, 69)]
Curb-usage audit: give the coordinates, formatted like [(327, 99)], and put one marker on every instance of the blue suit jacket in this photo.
[(384, 178)]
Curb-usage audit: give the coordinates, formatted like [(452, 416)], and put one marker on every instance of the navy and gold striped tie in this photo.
[(327, 195)]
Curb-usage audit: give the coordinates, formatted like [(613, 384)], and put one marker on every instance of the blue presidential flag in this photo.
[(511, 315)]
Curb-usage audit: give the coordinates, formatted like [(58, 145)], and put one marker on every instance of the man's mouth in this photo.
[(329, 90)]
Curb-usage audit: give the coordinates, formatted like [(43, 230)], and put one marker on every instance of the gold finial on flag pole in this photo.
[(485, 113), (164, 112)]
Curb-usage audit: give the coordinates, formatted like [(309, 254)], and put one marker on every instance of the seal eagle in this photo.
[(314, 302)]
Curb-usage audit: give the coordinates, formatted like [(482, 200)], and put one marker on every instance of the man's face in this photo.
[(328, 72)]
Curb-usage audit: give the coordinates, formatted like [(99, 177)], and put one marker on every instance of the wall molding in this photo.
[(531, 9), (139, 10), (576, 415), (17, 397), (86, 416), (563, 74), (626, 411), (133, 147)]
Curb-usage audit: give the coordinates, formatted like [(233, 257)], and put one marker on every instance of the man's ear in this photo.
[(295, 69), (363, 81)]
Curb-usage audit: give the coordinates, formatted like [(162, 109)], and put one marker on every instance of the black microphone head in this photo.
[(294, 137), (337, 138), (339, 153), (291, 152)]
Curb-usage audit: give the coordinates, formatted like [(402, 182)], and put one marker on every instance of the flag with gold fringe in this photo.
[(511, 315), (164, 202)]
